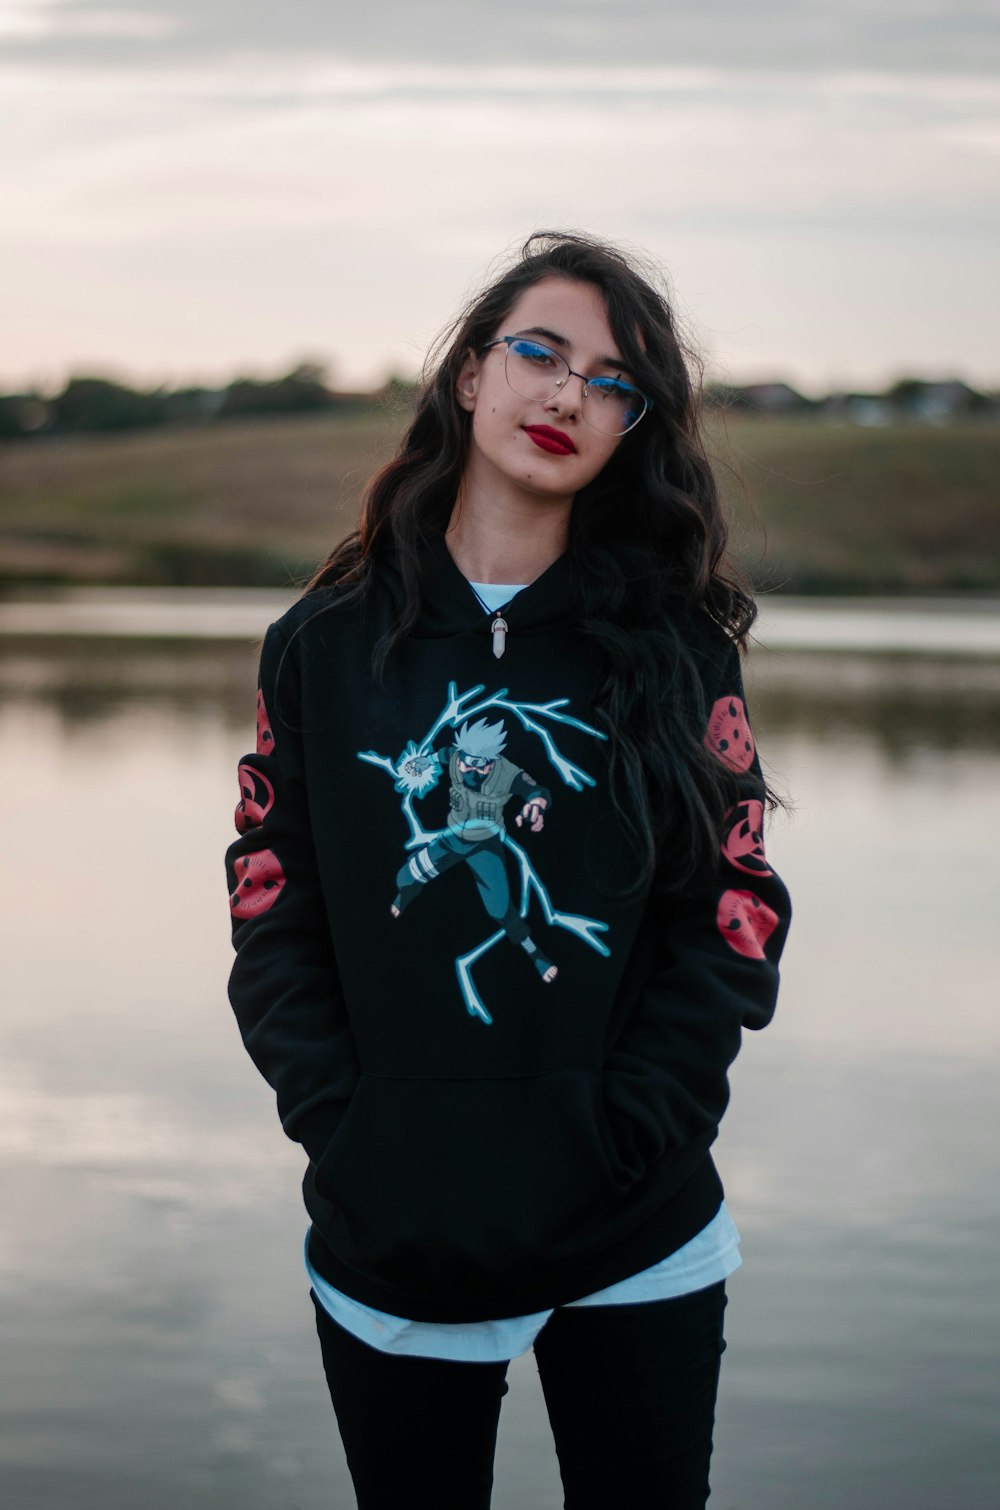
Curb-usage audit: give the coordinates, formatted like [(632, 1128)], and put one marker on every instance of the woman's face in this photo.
[(533, 446)]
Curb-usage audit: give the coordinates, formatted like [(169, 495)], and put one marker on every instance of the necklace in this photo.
[(498, 628)]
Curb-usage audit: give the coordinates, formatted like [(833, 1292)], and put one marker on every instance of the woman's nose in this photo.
[(569, 398)]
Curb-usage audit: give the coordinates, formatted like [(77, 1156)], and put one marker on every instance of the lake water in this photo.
[(158, 1344)]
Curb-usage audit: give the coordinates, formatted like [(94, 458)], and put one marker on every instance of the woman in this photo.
[(501, 905)]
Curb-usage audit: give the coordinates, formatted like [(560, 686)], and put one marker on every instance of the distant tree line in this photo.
[(934, 402), (90, 404)]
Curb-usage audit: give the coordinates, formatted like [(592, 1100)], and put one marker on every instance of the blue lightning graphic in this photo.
[(417, 771)]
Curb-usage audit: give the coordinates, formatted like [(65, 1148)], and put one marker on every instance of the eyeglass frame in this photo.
[(586, 381)]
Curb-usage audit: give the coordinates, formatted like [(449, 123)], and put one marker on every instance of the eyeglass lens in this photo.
[(536, 372)]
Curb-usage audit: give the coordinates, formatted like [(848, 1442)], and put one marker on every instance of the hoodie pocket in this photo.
[(453, 1185)]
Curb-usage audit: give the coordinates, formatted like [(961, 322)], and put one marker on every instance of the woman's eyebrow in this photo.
[(558, 340)]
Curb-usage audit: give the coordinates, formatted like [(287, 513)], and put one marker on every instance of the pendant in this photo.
[(499, 628)]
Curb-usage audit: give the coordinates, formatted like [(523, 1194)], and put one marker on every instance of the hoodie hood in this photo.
[(449, 605)]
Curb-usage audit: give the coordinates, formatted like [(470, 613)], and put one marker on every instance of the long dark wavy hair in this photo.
[(646, 548)]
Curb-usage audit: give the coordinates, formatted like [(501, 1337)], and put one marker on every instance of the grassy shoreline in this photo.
[(815, 507)]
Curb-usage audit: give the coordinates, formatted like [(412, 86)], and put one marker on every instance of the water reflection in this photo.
[(88, 681), (158, 1344), (901, 703)]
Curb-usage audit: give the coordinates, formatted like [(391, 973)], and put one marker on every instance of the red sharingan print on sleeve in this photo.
[(256, 798), (259, 883), (265, 738), (745, 922), (728, 735), (743, 838)]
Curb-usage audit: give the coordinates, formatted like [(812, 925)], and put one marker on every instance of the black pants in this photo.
[(630, 1393)]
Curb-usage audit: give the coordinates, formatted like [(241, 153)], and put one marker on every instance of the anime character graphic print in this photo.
[(483, 781)]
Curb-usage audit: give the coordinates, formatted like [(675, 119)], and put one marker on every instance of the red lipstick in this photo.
[(555, 441)]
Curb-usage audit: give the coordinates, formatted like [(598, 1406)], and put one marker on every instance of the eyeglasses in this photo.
[(610, 405)]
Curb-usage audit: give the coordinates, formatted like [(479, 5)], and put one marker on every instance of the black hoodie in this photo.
[(506, 1079)]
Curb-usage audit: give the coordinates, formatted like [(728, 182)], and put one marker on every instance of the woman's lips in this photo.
[(550, 440)]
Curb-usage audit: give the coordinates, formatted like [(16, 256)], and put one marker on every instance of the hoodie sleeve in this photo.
[(284, 986), (715, 968)]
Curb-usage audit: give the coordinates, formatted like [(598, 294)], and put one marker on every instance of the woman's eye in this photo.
[(535, 354)]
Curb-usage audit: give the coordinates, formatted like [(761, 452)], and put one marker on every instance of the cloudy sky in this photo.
[(192, 188)]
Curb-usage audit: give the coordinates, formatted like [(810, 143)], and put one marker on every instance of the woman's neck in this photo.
[(510, 544)]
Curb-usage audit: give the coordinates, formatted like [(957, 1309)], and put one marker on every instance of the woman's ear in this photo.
[(467, 382)]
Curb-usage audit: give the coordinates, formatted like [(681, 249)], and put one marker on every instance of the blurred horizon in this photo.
[(324, 374)]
